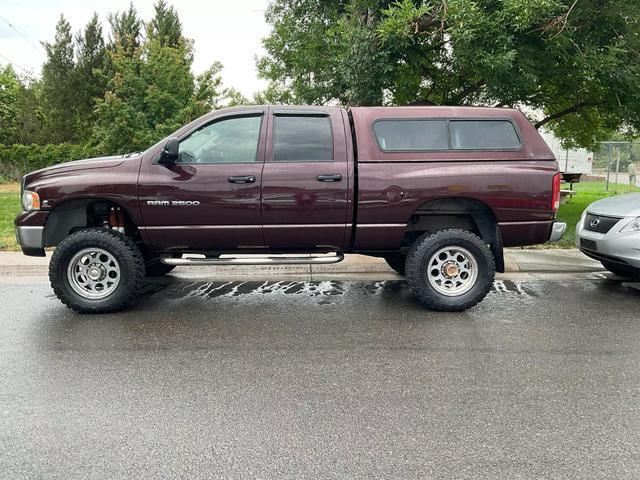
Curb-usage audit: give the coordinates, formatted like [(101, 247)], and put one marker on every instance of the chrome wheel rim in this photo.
[(452, 271), (93, 273)]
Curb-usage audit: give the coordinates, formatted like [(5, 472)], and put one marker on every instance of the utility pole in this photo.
[(606, 186)]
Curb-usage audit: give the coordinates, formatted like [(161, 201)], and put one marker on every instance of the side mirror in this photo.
[(169, 154)]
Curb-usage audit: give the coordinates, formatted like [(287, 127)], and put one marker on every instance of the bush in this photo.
[(17, 160)]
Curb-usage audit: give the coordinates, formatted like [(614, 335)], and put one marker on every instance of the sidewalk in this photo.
[(518, 261)]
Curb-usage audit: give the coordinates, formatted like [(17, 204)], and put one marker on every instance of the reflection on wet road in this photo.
[(216, 289)]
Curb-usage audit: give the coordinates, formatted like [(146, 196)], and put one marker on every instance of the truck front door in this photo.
[(210, 198), (305, 182)]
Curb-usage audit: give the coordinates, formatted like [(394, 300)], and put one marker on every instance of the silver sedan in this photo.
[(609, 231)]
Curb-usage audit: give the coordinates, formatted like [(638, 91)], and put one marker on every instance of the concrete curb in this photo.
[(516, 261)]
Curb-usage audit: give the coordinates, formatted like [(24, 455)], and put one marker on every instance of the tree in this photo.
[(9, 109), (572, 66), (30, 112), (112, 98), (125, 30), (90, 77), (210, 93), (165, 27), (59, 95), (152, 91)]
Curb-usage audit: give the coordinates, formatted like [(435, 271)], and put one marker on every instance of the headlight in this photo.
[(584, 214), (632, 226), (30, 200)]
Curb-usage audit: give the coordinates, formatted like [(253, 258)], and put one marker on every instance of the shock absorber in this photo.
[(116, 219)]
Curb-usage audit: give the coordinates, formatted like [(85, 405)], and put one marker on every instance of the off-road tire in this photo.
[(622, 270), (156, 268), (124, 250), (426, 247), (397, 262)]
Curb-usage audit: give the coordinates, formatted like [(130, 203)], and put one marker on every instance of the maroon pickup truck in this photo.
[(436, 191)]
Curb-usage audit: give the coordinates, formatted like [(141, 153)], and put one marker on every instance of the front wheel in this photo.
[(96, 270), (450, 270)]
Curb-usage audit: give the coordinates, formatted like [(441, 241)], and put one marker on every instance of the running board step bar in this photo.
[(254, 260)]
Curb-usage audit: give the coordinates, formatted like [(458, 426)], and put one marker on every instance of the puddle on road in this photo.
[(319, 289)]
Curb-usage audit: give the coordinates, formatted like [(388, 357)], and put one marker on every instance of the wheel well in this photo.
[(456, 213), (74, 215)]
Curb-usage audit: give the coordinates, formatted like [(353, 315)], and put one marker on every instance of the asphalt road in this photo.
[(322, 380)]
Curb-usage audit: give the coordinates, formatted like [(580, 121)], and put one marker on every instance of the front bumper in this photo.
[(612, 246), (30, 232), (30, 237)]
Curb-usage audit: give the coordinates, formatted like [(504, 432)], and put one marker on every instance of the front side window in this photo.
[(483, 135), (411, 135), (302, 139), (231, 140)]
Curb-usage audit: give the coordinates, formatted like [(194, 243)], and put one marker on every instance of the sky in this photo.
[(229, 31)]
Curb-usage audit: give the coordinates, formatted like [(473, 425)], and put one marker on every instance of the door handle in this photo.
[(335, 177), (242, 179)]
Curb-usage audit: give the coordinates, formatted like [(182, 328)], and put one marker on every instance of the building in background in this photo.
[(573, 163)]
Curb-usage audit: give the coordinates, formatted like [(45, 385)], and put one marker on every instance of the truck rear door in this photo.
[(306, 180)]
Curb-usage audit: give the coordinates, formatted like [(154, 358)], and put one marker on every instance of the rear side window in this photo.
[(302, 138), (408, 135), (483, 135)]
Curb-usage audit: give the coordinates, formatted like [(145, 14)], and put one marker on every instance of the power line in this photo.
[(20, 33), (15, 64)]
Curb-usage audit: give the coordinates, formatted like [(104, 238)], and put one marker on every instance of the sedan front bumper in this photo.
[(612, 246)]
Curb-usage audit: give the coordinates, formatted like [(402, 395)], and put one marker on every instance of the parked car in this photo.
[(609, 231), (436, 191)]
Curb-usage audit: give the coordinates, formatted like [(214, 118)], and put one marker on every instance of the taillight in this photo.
[(555, 195)]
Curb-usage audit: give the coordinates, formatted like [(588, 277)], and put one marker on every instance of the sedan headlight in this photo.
[(30, 200), (584, 214), (632, 226)]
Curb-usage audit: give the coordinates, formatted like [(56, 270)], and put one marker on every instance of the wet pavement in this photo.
[(268, 379)]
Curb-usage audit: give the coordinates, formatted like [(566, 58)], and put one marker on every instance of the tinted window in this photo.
[(302, 138), (483, 135), (411, 134), (234, 140)]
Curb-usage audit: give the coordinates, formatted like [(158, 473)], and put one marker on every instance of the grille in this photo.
[(602, 224)]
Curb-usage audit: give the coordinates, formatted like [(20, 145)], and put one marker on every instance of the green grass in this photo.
[(9, 208), (587, 193)]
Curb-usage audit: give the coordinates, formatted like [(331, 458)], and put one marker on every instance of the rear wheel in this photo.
[(96, 270), (622, 270), (450, 270), (397, 262)]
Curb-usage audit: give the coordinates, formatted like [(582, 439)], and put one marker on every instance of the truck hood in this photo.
[(619, 206), (87, 164)]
